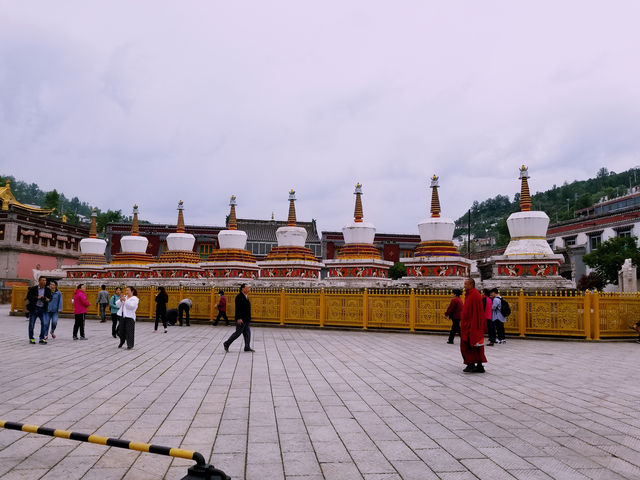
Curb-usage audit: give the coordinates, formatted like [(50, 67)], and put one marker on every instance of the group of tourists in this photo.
[(44, 302), (471, 319)]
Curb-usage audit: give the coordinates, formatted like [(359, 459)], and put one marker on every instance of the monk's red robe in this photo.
[(472, 328)]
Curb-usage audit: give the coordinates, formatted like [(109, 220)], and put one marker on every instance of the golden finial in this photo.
[(291, 222), (93, 232), (135, 231), (525, 197), (180, 228), (64, 218), (233, 224), (358, 211), (435, 200)]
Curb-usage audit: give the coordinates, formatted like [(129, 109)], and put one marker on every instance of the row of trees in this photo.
[(75, 211)]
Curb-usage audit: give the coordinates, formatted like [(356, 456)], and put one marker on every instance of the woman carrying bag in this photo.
[(127, 305)]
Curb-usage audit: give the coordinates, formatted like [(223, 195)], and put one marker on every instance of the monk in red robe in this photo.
[(473, 326)]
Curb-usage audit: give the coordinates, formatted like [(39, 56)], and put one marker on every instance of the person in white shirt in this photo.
[(184, 307), (127, 305)]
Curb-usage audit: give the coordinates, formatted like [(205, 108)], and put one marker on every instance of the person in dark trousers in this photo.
[(222, 309), (243, 319), (103, 303), (38, 298), (183, 309), (498, 318), (80, 304), (161, 308), (127, 304), (172, 316), (487, 304), (454, 312), (115, 319), (54, 308)]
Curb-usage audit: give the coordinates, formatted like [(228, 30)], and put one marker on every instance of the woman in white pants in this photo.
[(127, 306)]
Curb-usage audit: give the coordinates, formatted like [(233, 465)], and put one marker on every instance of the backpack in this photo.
[(505, 309)]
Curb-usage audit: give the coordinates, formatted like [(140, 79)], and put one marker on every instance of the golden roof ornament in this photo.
[(435, 199), (93, 232), (525, 196), (233, 224), (135, 230), (358, 214), (291, 222), (180, 227)]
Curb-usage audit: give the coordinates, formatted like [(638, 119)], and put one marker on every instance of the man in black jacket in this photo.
[(243, 319), (38, 298)]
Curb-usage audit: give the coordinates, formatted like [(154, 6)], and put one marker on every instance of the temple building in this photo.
[(359, 262), (232, 261), (31, 242), (436, 262), (291, 262), (528, 261)]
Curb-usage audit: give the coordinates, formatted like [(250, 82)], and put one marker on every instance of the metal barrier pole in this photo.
[(200, 470)]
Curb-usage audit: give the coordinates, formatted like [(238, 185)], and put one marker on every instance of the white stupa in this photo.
[(133, 247), (92, 249)]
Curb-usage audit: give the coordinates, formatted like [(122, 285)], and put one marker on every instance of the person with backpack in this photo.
[(487, 304), (501, 310)]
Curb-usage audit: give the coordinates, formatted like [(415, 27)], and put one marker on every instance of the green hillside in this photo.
[(489, 218)]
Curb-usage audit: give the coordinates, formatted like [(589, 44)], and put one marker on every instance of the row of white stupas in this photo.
[(528, 261)]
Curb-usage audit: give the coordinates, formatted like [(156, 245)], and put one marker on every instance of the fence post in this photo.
[(13, 299), (212, 307), (282, 306), (365, 309), (412, 311), (596, 315), (151, 304), (323, 311), (181, 293), (522, 314), (587, 315)]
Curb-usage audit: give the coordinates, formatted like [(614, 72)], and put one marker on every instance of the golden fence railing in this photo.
[(558, 313)]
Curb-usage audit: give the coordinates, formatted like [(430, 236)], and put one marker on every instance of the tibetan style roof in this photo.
[(265, 230)]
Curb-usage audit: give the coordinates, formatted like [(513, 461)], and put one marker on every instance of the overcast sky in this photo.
[(152, 102)]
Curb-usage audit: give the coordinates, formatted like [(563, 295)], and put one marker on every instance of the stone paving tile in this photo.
[(315, 404)]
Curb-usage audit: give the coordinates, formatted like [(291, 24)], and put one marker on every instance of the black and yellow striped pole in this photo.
[(200, 470)]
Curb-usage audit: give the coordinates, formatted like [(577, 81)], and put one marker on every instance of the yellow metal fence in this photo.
[(570, 314)]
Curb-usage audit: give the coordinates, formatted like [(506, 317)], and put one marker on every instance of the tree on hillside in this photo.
[(52, 200), (109, 216), (608, 258)]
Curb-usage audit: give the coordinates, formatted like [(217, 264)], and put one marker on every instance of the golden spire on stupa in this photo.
[(435, 200), (135, 230), (357, 214), (93, 232), (180, 228), (525, 197), (233, 224), (291, 222)]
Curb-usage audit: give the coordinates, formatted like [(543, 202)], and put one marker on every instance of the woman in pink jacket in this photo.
[(80, 304)]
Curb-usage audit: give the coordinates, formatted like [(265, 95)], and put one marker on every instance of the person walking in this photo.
[(115, 319), (161, 309), (243, 320), (498, 319), (473, 325), (54, 308), (222, 309), (487, 304), (38, 298), (454, 312), (103, 302), (127, 306), (183, 309), (80, 304)]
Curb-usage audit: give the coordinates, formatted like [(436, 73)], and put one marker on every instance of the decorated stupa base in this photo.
[(179, 256), (176, 270), (286, 272), (436, 248), (92, 259), (358, 251), (231, 270), (366, 272), (291, 253), (436, 271), (132, 259), (84, 271), (537, 272), (232, 255)]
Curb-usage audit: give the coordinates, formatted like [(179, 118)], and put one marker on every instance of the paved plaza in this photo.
[(311, 404)]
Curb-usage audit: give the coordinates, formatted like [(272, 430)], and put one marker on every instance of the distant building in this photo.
[(261, 237), (30, 239)]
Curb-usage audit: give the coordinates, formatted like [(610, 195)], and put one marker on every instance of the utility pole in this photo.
[(469, 234)]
